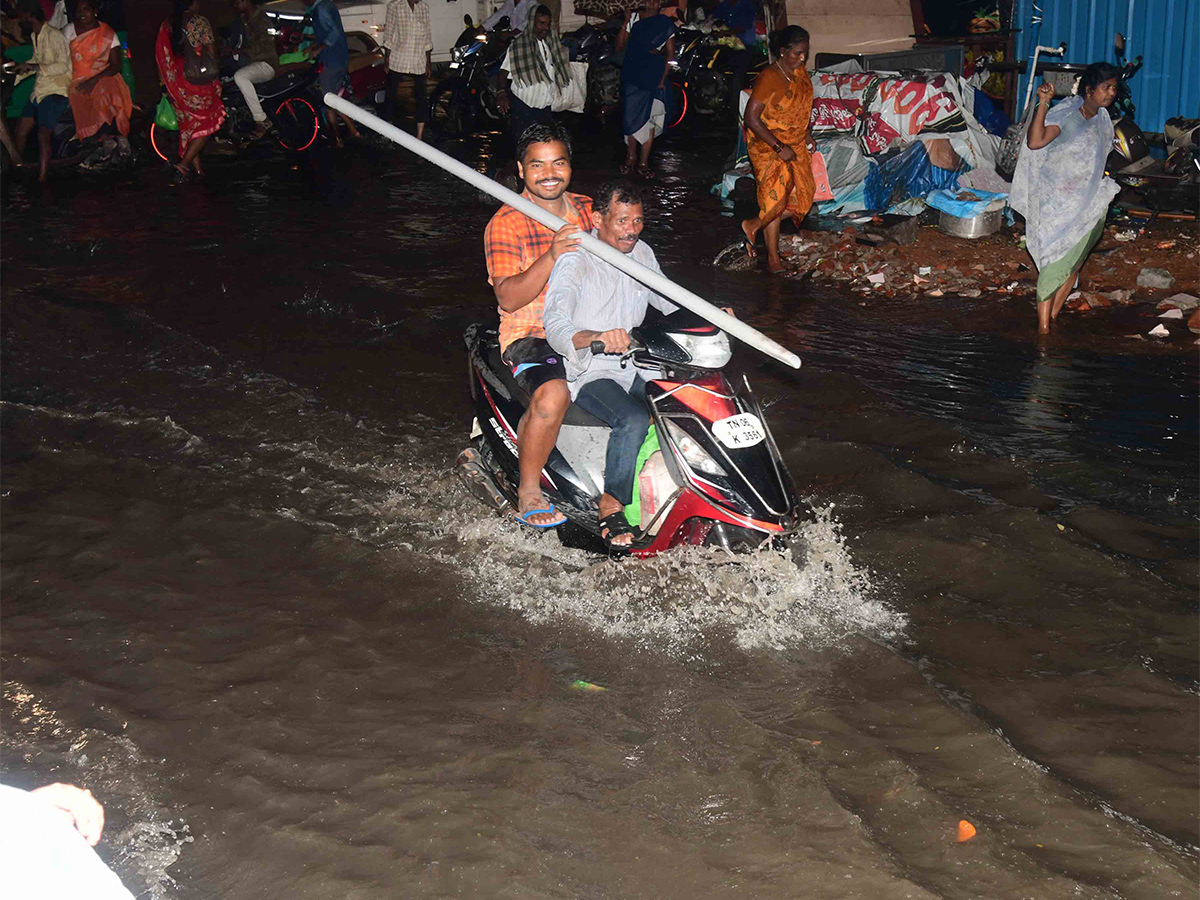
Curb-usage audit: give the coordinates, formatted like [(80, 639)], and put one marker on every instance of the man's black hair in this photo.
[(32, 8), (543, 10), (1095, 75), (543, 133), (617, 190)]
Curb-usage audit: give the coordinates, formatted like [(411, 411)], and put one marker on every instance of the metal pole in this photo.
[(611, 255)]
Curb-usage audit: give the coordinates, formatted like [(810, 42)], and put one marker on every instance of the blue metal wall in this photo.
[(1165, 33)]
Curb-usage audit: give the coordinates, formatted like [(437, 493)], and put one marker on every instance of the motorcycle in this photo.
[(472, 90), (703, 69), (66, 150), (290, 101), (1157, 188), (596, 45), (717, 479)]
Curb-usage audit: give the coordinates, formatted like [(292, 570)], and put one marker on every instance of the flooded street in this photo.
[(247, 602)]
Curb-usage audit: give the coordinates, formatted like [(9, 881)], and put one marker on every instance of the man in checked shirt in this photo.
[(520, 255), (408, 44)]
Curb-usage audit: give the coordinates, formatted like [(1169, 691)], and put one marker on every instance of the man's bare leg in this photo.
[(631, 150), (43, 152), (24, 129), (536, 434)]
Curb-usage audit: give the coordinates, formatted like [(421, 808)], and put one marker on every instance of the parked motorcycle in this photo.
[(596, 46), (703, 69), (717, 478), (472, 92), (290, 101), (1157, 187)]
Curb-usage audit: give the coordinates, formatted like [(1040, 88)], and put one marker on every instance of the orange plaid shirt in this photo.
[(512, 242)]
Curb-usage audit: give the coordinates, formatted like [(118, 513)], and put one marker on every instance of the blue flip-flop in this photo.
[(523, 518)]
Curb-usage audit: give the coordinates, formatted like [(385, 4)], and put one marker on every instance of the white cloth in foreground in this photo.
[(1061, 189), (44, 858)]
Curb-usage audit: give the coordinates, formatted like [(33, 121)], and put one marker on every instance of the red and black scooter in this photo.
[(717, 478)]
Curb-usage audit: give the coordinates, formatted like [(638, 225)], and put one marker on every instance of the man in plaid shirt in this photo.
[(520, 255), (408, 45)]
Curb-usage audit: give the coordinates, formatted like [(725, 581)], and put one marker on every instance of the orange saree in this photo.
[(108, 100), (787, 106)]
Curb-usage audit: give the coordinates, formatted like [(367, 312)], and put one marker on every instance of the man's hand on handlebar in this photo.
[(615, 341)]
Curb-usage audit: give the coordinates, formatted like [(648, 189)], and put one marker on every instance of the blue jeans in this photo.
[(626, 414)]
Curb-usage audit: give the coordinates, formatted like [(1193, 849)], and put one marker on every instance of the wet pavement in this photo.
[(248, 604)]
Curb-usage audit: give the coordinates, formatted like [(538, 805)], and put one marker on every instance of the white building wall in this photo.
[(863, 26)]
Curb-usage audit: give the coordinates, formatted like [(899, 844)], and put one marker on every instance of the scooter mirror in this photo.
[(1119, 44)]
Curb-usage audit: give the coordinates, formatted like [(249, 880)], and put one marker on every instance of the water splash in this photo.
[(142, 840), (768, 599)]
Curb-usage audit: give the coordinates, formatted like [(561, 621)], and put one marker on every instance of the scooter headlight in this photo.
[(456, 54), (708, 351), (691, 451)]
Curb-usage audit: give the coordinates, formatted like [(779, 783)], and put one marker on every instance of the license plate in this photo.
[(740, 431)]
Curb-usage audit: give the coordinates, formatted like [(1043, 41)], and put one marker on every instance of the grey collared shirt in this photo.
[(587, 294)]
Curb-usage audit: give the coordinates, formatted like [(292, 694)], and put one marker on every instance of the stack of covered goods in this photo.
[(890, 140)]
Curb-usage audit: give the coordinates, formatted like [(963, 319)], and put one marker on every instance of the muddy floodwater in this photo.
[(247, 603)]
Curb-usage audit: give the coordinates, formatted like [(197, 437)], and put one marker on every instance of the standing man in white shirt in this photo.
[(408, 46)]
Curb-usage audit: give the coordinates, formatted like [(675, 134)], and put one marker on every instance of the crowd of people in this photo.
[(76, 67), (1059, 185)]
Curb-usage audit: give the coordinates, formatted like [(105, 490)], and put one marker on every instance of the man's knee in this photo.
[(634, 421), (550, 400)]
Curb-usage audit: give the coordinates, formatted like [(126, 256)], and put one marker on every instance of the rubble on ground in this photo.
[(910, 259)]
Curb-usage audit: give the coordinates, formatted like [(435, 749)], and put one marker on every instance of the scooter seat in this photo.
[(496, 366)]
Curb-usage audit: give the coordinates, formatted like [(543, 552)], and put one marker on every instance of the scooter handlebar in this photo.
[(598, 347)]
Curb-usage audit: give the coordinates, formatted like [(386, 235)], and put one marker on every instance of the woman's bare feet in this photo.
[(750, 230)]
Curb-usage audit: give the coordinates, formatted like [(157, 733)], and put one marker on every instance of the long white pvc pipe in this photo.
[(652, 280)]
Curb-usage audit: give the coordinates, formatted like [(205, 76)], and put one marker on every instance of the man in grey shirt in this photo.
[(589, 300)]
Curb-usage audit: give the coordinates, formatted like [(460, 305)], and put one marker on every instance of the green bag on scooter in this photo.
[(164, 116)]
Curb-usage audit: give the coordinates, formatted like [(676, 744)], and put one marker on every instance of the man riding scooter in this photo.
[(588, 300)]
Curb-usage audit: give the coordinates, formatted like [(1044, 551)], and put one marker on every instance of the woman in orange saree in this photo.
[(98, 93), (780, 147)]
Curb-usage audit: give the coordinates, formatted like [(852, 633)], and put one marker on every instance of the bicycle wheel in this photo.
[(296, 124), (681, 103), (451, 113), (165, 144)]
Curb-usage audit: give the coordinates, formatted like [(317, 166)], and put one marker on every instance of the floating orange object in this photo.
[(966, 831)]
